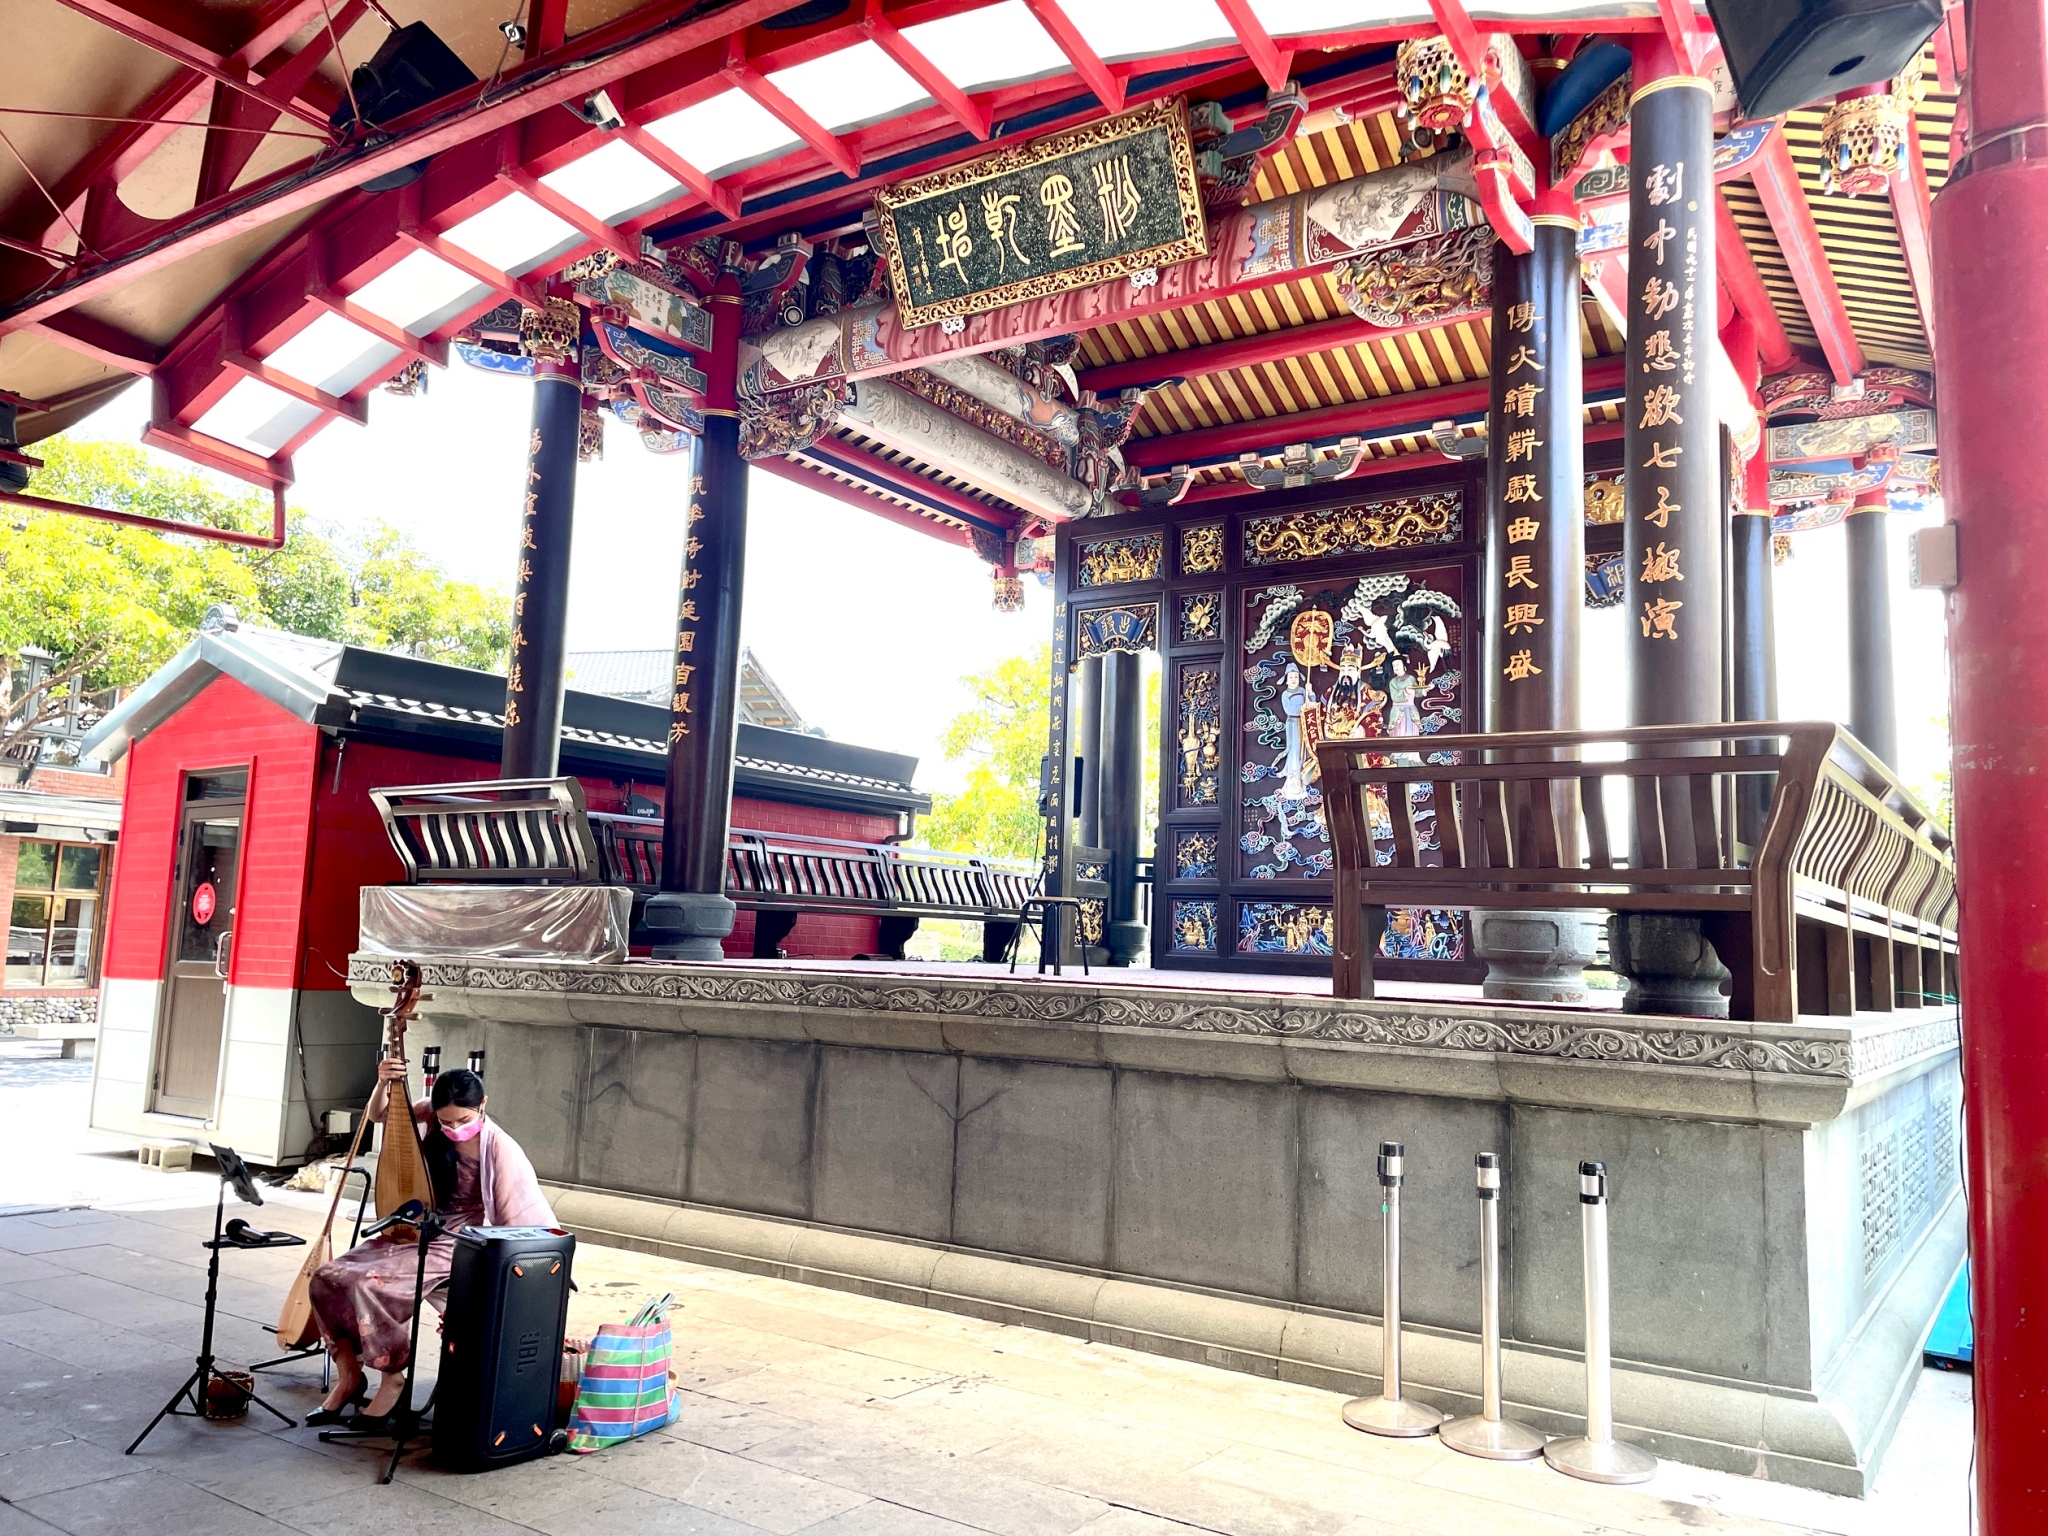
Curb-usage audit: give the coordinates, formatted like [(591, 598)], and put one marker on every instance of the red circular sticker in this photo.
[(203, 901)]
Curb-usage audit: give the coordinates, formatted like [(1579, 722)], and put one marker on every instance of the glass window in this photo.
[(230, 785), (28, 940), (78, 868), (36, 870), (53, 917)]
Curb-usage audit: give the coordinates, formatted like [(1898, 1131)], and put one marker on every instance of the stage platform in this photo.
[(1183, 1163)]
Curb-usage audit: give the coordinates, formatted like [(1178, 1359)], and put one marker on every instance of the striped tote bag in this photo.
[(624, 1390)]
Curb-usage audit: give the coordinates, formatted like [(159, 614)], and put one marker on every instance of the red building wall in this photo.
[(311, 839), (226, 726)]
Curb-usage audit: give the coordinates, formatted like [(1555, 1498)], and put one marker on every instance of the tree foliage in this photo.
[(111, 604), (1002, 737)]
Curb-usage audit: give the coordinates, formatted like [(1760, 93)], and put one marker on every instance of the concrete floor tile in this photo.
[(146, 1501), (20, 1266), (878, 1517), (85, 1344), (724, 1426), (1639, 1510), (952, 1488), (39, 1469), (19, 1522), (752, 1492), (112, 1303), (378, 1510)]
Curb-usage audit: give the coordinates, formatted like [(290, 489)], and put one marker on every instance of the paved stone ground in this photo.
[(805, 1410)]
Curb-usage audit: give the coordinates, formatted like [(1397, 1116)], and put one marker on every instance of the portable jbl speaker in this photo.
[(501, 1346)]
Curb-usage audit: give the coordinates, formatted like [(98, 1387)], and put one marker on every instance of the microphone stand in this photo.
[(405, 1420)]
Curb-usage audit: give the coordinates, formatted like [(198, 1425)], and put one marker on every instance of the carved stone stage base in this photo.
[(1669, 963), (688, 925), (1190, 1170), (1536, 957)]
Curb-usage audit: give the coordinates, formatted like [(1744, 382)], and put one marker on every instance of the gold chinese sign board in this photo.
[(1067, 211)]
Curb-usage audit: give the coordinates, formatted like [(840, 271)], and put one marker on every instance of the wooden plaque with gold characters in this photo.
[(1072, 209)]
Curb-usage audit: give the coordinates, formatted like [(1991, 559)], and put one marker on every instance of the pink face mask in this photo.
[(469, 1130)]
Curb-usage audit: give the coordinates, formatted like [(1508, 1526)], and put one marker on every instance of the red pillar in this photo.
[(1991, 313)]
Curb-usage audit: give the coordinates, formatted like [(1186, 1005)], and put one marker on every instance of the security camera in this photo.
[(599, 112), (515, 34)]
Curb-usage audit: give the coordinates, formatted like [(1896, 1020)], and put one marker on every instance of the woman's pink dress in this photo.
[(364, 1298)]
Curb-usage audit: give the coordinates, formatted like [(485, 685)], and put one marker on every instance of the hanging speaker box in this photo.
[(1786, 54)]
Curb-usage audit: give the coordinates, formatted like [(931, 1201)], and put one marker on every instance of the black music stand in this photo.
[(236, 1172), (408, 1422)]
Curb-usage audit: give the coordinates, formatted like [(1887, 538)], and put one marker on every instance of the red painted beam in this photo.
[(554, 82), (1107, 85), (1913, 212), (1248, 351), (1784, 200), (174, 45), (974, 116), (815, 480), (1360, 419), (835, 152), (1268, 58), (1746, 287), (99, 341)]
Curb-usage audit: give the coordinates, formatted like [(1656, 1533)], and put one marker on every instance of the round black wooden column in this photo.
[(1123, 753), (691, 914), (540, 600), (1873, 706), (1536, 484), (1672, 534), (1756, 652), (1084, 721)]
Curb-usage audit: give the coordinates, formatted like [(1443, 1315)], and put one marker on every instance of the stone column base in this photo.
[(1536, 957), (1669, 963), (1128, 942), (688, 925)]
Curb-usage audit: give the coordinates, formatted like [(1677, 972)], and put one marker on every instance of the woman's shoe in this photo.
[(320, 1418), (370, 1423)]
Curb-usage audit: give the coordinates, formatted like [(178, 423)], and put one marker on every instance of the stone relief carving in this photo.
[(1592, 1039)]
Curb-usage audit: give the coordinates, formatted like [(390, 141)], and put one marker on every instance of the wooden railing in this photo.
[(1847, 902), (538, 831)]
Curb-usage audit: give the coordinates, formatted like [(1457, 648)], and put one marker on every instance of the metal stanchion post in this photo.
[(1486, 1433), (1597, 1456), (1390, 1413)]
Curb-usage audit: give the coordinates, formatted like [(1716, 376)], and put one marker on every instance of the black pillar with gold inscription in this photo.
[(1672, 533), (1536, 558), (540, 598), (690, 915), (1536, 523)]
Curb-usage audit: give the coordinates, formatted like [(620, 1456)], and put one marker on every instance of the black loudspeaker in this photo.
[(1787, 53), (413, 68), (501, 1346)]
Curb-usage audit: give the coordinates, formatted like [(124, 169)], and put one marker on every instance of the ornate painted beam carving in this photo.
[(898, 419), (1257, 247)]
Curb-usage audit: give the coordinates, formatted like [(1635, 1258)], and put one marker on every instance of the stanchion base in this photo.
[(1494, 1439), (1601, 1461), (1391, 1416)]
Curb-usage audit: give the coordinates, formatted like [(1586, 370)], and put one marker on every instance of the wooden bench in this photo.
[(1847, 902), (538, 831)]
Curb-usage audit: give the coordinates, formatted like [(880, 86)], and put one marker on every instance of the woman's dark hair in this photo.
[(465, 1090)]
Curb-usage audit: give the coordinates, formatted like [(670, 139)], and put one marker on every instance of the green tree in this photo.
[(1002, 737), (109, 604)]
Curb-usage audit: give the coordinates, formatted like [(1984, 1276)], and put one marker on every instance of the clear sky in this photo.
[(868, 626)]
